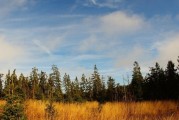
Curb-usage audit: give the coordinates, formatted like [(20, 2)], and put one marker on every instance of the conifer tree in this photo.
[(14, 108), (77, 91), (110, 89), (136, 83), (7, 83), (89, 89), (58, 96), (67, 87), (171, 81), (154, 87), (83, 86), (21, 86), (34, 81), (1, 86), (43, 85), (97, 84)]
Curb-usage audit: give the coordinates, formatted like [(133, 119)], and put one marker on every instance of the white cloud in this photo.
[(127, 59), (105, 31), (121, 22), (9, 52), (97, 44), (168, 49), (10, 55)]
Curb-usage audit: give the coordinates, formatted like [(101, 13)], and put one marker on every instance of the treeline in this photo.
[(158, 84)]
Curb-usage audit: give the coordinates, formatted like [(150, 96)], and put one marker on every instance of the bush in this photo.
[(50, 111), (14, 109)]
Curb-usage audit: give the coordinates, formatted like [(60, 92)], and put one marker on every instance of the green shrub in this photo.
[(14, 109)]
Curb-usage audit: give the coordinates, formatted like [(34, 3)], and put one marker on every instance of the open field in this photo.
[(159, 110)]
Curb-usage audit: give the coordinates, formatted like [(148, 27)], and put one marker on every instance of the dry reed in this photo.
[(158, 110)]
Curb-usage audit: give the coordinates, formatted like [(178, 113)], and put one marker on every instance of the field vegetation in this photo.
[(156, 110), (41, 96)]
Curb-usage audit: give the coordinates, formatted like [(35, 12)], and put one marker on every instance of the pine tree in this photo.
[(1, 86), (57, 83), (89, 89), (110, 89), (34, 82), (154, 87), (67, 87), (51, 88), (14, 108), (77, 91), (171, 81), (20, 87), (83, 86), (136, 83), (7, 83), (43, 92), (103, 90), (97, 85)]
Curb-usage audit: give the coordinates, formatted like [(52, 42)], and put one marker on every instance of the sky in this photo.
[(77, 34)]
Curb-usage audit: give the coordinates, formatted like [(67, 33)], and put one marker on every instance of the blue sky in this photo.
[(77, 34)]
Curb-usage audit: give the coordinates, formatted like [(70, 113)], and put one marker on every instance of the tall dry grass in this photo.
[(159, 110)]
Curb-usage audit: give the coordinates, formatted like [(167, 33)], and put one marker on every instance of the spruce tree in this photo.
[(58, 96), (43, 85), (14, 108), (1, 86), (97, 84), (136, 83), (171, 81), (83, 86), (34, 82), (67, 88), (110, 89), (89, 89), (77, 91)]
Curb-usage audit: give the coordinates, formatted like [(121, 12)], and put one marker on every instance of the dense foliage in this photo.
[(158, 84)]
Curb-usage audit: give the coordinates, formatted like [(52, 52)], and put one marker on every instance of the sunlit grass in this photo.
[(158, 110)]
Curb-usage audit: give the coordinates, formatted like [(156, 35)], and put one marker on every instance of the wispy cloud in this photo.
[(105, 32), (7, 6), (49, 44), (103, 3)]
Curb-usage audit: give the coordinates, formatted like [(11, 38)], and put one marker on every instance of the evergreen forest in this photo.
[(158, 84)]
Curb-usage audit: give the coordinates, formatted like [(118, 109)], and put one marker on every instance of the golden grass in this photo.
[(159, 110)]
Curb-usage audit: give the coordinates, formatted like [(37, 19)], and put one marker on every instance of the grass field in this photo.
[(159, 110)]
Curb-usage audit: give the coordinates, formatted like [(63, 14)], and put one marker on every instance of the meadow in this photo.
[(157, 110)]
